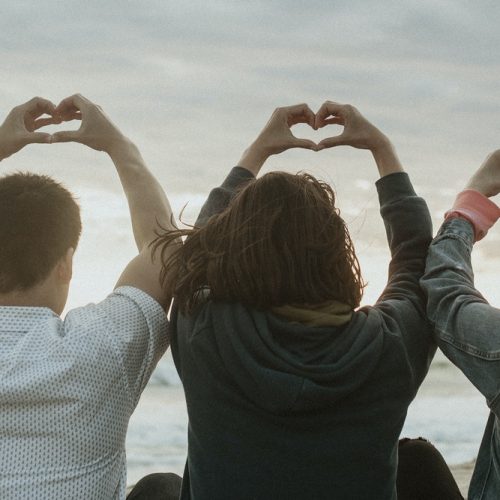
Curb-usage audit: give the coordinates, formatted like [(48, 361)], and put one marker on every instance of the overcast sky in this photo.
[(192, 83)]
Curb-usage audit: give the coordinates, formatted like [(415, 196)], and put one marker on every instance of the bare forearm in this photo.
[(147, 201), (253, 158), (277, 137), (3, 152), (386, 158)]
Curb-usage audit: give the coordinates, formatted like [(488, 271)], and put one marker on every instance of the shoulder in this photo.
[(126, 306)]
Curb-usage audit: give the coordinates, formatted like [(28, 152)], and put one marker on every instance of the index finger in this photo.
[(327, 109), (300, 113), (72, 103), (38, 106)]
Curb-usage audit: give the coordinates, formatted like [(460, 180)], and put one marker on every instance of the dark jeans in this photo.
[(422, 475), (158, 486)]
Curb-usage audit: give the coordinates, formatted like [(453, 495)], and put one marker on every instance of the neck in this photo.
[(38, 296)]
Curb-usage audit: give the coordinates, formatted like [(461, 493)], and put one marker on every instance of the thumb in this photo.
[(39, 138), (331, 142), (66, 136), (304, 143)]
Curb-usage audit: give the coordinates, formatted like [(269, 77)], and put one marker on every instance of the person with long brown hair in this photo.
[(292, 390)]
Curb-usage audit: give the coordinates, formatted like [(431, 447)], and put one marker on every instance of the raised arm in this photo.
[(466, 326), (274, 138), (20, 126), (147, 202), (358, 133), (406, 217), (277, 136), (408, 227)]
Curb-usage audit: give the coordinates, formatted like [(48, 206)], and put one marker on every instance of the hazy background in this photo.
[(192, 83)]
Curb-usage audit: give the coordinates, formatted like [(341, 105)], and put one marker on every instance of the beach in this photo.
[(462, 474)]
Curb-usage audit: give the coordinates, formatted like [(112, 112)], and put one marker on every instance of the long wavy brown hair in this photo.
[(280, 241)]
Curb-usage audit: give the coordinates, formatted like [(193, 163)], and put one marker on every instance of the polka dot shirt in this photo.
[(67, 391)]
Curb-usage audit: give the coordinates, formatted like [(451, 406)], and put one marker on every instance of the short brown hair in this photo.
[(280, 241), (39, 222)]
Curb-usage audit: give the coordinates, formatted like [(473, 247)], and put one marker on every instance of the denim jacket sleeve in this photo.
[(466, 326), (219, 197)]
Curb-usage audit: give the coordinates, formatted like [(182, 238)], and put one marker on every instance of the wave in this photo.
[(165, 373)]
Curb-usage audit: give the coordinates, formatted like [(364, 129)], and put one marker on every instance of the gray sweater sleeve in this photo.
[(219, 198), (408, 227), (466, 326), (402, 303)]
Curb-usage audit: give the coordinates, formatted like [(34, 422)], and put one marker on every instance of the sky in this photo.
[(192, 83)]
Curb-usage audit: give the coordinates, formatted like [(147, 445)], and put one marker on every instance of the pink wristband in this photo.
[(481, 212)]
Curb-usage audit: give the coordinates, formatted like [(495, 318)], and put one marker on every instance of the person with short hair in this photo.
[(68, 387), (292, 390), (466, 326)]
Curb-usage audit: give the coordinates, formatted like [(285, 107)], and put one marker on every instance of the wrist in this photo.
[(386, 158), (3, 153), (121, 147), (480, 188), (474, 206), (253, 158), (381, 144)]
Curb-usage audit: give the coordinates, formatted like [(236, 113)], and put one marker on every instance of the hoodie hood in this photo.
[(282, 366)]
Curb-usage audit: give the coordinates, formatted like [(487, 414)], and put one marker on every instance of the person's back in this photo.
[(65, 395), (68, 387), (291, 391), (283, 410)]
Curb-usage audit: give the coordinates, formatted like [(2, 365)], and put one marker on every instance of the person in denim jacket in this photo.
[(466, 326)]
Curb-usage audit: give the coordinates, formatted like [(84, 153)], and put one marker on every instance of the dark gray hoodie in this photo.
[(279, 410)]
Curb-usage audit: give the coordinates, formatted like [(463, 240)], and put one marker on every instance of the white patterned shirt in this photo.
[(67, 391)]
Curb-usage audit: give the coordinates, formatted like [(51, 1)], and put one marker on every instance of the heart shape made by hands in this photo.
[(277, 132), (357, 131), (316, 135), (40, 113), (278, 136), (301, 120)]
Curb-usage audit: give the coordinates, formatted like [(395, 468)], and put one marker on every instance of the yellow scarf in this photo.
[(332, 313)]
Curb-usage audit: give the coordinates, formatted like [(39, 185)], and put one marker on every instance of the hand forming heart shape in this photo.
[(277, 135), (21, 125), (23, 122), (98, 131)]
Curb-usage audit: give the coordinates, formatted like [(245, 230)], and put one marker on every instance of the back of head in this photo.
[(280, 241), (39, 222)]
